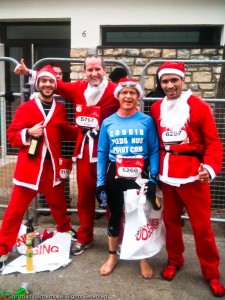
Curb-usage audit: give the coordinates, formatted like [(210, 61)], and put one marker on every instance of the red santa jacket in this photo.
[(108, 105), (28, 169), (200, 142)]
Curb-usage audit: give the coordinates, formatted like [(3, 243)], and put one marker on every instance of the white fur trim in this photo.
[(45, 73), (210, 170), (170, 71), (93, 94), (23, 136), (32, 77), (27, 185), (137, 87)]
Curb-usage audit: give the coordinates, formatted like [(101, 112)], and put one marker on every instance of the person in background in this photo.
[(190, 158), (94, 101), (122, 132), (117, 74), (158, 91), (40, 121)]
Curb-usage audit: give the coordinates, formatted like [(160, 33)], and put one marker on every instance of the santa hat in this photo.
[(171, 68), (46, 71), (128, 83)]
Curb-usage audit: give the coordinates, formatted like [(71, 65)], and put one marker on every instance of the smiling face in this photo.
[(58, 73), (94, 70), (46, 86), (172, 85), (128, 98)]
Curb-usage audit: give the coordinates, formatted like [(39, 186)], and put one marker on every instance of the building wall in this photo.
[(202, 79), (89, 15)]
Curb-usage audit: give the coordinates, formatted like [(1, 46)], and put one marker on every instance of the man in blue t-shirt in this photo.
[(126, 134)]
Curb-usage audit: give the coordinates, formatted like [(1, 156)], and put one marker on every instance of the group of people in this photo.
[(178, 142)]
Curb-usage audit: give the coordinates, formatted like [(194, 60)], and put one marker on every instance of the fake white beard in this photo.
[(93, 94), (175, 113)]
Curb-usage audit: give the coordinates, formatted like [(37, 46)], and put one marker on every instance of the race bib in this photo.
[(129, 166), (174, 137), (87, 116), (65, 167)]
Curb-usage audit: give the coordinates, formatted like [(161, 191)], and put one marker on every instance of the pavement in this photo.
[(81, 279)]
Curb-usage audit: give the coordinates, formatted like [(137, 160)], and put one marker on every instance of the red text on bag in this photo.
[(146, 231), (46, 249)]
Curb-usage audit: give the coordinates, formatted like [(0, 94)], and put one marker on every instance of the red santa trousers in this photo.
[(196, 198), (86, 183), (86, 202), (19, 202)]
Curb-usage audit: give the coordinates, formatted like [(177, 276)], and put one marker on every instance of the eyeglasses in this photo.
[(128, 84)]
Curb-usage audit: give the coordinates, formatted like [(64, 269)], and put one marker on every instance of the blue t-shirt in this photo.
[(135, 135)]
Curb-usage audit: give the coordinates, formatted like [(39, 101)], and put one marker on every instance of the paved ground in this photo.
[(81, 279)]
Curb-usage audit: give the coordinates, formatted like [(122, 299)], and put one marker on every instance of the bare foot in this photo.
[(146, 269), (109, 265)]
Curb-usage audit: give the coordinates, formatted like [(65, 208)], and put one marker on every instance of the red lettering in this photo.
[(144, 234), (146, 231), (21, 240), (45, 249), (138, 235), (54, 249)]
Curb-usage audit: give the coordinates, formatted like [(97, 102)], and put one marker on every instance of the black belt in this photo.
[(187, 153)]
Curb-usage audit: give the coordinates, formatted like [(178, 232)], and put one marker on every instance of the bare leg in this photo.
[(146, 269), (111, 262)]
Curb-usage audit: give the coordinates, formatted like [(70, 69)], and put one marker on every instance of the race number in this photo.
[(87, 116), (129, 166)]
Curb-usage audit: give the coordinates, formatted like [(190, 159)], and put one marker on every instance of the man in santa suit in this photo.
[(94, 101), (41, 121), (191, 156)]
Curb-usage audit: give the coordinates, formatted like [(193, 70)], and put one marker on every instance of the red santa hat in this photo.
[(128, 83), (171, 68), (46, 71)]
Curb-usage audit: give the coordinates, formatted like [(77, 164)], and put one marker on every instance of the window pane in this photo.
[(163, 36), (38, 32)]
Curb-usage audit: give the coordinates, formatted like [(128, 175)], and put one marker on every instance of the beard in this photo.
[(46, 96), (174, 114)]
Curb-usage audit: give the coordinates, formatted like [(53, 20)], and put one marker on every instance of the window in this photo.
[(161, 36)]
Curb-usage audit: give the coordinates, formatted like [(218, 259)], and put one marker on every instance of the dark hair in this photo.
[(96, 56), (158, 91), (117, 74)]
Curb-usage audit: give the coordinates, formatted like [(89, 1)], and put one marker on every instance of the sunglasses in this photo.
[(128, 84)]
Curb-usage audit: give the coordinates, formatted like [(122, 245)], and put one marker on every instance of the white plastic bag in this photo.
[(48, 256), (21, 240), (144, 233)]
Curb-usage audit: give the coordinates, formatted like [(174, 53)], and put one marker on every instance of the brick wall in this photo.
[(201, 79)]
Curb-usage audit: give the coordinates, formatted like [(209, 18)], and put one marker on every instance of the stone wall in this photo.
[(201, 79)]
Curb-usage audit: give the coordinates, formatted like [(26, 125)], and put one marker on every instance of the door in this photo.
[(32, 41)]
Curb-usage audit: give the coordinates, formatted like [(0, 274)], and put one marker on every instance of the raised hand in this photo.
[(21, 69)]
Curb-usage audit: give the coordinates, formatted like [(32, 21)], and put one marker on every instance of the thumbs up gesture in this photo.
[(203, 174)]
